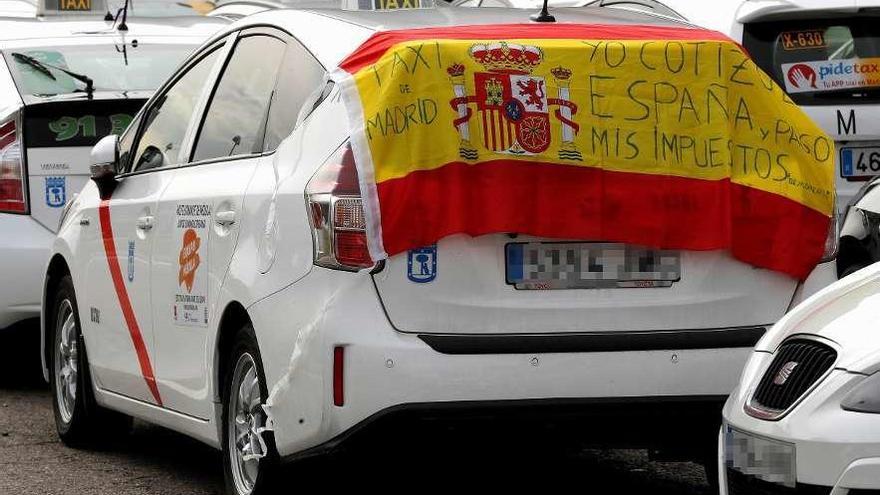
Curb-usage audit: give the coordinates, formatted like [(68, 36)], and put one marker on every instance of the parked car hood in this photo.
[(846, 313)]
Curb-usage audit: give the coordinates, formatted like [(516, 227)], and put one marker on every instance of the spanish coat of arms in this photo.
[(512, 102)]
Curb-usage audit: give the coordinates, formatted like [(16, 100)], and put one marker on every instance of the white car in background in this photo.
[(51, 116), (805, 417)]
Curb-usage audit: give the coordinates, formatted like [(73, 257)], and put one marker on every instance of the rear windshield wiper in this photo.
[(44, 67)]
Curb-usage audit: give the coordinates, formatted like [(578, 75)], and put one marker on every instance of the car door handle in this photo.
[(145, 222), (225, 218)]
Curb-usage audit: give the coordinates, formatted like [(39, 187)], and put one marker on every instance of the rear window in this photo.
[(820, 61), (130, 67), (77, 123)]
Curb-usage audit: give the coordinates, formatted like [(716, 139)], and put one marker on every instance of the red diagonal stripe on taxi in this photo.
[(124, 302)]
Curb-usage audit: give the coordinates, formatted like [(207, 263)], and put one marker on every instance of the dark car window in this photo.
[(126, 143), (167, 120), (820, 61), (236, 116), (301, 75)]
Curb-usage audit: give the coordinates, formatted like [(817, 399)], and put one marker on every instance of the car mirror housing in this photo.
[(105, 158), (105, 163)]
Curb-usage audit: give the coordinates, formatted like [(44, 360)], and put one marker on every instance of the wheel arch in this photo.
[(233, 318), (55, 271)]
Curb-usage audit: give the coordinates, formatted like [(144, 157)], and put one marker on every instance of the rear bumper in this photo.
[(666, 340), (24, 251), (687, 422), (385, 369)]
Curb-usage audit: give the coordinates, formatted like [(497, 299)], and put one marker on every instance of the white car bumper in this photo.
[(299, 327), (832, 448), (24, 251)]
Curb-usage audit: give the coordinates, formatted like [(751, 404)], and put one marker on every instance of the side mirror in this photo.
[(105, 158), (105, 162)]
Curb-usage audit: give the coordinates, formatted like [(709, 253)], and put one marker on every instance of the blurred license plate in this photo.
[(859, 162), (762, 458), (589, 265)]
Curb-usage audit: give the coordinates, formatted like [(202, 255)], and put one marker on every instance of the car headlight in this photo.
[(865, 397)]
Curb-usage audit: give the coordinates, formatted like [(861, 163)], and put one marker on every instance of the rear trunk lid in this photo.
[(466, 285)]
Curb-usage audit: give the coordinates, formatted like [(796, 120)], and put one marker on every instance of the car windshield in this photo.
[(129, 67)]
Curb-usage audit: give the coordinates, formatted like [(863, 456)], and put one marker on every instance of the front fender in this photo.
[(64, 255)]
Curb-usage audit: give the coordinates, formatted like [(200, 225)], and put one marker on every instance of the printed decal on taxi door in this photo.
[(191, 294)]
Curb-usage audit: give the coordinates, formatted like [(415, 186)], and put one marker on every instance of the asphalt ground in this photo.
[(153, 460)]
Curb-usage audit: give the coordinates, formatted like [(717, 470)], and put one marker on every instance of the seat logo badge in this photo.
[(56, 192), (421, 264), (784, 373)]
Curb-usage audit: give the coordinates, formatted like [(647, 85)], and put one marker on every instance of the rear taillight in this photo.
[(832, 240), (12, 176), (336, 214)]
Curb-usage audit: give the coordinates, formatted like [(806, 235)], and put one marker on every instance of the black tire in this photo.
[(711, 467), (243, 348), (710, 463), (82, 423)]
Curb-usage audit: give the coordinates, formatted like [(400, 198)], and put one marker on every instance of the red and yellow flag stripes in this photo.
[(665, 137)]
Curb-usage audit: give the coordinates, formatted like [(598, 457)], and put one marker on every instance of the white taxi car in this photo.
[(203, 281), (67, 80), (805, 417)]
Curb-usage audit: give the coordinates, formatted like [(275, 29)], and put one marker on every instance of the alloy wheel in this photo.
[(246, 424), (66, 360)]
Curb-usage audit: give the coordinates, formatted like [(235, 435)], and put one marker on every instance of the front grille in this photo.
[(743, 484), (798, 365)]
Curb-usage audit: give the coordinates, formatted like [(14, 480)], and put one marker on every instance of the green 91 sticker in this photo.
[(67, 128)]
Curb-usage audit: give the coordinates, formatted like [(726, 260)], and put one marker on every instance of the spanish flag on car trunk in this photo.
[(666, 137)]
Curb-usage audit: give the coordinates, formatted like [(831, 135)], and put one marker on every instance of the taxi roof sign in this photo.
[(62, 7), (139, 8), (386, 4)]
